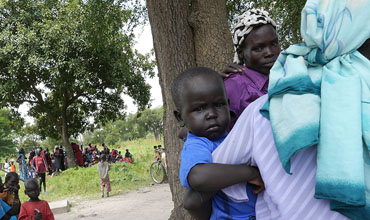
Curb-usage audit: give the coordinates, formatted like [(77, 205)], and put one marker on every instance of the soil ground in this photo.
[(148, 203)]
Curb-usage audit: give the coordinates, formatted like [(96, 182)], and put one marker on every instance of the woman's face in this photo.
[(13, 181), (260, 49)]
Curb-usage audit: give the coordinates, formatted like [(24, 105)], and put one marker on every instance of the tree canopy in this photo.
[(138, 125), (10, 124), (70, 60)]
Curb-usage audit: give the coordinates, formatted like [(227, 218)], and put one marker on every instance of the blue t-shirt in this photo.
[(198, 150)]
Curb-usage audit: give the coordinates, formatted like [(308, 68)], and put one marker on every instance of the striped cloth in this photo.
[(286, 196)]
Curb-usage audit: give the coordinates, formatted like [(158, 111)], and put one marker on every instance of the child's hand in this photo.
[(258, 183), (38, 214)]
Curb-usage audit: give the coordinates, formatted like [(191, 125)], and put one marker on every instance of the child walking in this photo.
[(35, 208), (202, 107), (103, 168)]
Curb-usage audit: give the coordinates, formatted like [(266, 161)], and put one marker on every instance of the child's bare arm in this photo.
[(214, 177), (198, 204)]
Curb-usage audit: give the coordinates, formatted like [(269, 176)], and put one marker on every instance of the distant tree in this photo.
[(28, 137), (152, 121), (70, 60), (10, 125)]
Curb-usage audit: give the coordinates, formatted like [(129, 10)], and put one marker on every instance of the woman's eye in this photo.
[(258, 49)]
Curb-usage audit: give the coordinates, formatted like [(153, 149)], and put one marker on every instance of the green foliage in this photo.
[(70, 60), (286, 13), (10, 124), (139, 125), (27, 137), (84, 183), (151, 120)]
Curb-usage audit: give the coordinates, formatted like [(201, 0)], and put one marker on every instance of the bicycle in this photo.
[(157, 169)]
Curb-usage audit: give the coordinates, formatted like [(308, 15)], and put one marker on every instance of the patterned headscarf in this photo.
[(245, 24)]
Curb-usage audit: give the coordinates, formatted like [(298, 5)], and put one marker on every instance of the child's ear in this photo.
[(178, 117)]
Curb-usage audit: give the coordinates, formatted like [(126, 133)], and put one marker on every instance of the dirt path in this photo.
[(149, 203)]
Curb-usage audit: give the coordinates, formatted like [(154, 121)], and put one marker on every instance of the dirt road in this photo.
[(149, 203)]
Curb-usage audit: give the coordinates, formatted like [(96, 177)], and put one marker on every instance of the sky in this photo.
[(144, 44)]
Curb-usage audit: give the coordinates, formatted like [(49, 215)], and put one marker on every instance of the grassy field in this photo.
[(84, 183)]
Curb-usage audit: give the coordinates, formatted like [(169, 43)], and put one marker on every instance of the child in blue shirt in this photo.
[(202, 107)]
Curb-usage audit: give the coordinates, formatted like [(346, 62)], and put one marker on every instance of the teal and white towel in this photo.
[(319, 93)]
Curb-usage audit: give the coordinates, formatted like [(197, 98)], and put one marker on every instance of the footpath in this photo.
[(148, 203)]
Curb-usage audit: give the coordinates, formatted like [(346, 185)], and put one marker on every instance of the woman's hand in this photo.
[(230, 69)]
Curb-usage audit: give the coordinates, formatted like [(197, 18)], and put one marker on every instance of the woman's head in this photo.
[(21, 151), (12, 180), (256, 41)]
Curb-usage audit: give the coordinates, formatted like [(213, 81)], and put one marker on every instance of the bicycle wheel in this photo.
[(157, 172)]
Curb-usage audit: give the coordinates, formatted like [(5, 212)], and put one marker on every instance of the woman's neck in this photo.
[(365, 49)]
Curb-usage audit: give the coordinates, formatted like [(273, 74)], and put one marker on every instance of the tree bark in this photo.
[(185, 36)]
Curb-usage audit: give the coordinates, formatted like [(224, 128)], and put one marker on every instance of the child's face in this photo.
[(205, 109), (32, 190)]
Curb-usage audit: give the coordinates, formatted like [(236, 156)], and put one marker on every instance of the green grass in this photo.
[(84, 183)]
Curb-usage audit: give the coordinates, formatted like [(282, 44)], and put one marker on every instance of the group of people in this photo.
[(91, 155), (249, 155)]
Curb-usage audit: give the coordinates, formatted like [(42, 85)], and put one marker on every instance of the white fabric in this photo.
[(286, 196)]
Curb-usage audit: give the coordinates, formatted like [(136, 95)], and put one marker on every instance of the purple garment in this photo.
[(242, 89)]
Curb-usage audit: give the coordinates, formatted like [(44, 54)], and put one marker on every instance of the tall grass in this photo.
[(84, 183)]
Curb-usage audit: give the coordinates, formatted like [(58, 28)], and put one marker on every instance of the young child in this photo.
[(12, 167), (35, 208), (202, 107), (103, 168)]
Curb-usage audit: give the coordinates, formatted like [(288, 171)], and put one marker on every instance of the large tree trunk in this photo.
[(65, 137), (185, 36)]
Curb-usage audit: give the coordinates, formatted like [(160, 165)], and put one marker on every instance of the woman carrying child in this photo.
[(9, 198)]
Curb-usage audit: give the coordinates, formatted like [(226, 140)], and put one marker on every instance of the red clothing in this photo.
[(27, 209), (78, 155), (39, 164)]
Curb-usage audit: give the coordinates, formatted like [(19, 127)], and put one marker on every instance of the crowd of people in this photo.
[(39, 163), (91, 155)]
